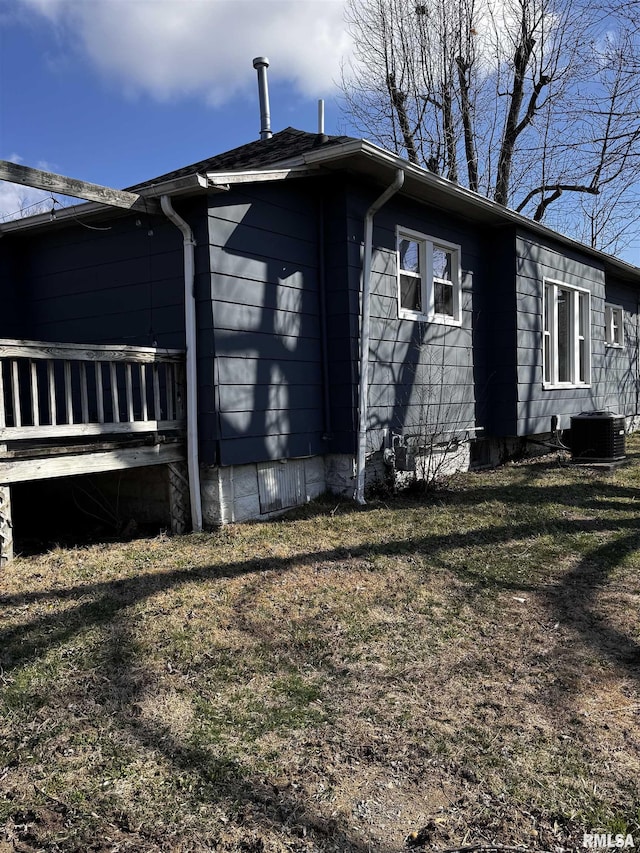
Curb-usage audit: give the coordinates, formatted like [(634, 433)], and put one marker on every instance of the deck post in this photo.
[(178, 497), (6, 523)]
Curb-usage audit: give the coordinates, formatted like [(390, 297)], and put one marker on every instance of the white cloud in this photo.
[(17, 201), (204, 48)]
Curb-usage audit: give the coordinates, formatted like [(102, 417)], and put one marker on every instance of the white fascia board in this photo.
[(489, 210), (217, 179), (176, 186), (428, 180)]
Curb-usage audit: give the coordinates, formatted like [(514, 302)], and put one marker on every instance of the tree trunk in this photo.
[(520, 62), (467, 125), (398, 99), (449, 135)]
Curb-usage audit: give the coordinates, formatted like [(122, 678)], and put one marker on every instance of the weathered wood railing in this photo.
[(97, 395), (64, 390)]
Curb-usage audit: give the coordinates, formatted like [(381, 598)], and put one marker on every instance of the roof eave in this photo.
[(419, 183), (252, 176), (362, 157)]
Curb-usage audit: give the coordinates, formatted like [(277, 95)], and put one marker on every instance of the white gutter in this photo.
[(222, 180), (427, 184), (365, 325), (193, 464)]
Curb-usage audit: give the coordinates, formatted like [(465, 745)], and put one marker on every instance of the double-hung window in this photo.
[(429, 278), (613, 325), (566, 335)]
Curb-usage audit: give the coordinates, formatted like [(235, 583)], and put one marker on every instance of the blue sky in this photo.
[(117, 91)]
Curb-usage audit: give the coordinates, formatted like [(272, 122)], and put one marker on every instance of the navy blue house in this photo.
[(481, 329)]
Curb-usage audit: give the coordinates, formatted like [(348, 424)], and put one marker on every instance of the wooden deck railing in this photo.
[(64, 390)]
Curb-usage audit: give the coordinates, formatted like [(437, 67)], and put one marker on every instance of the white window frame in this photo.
[(580, 303), (613, 325), (426, 245)]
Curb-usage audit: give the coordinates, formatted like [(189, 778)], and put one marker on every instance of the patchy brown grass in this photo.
[(464, 666)]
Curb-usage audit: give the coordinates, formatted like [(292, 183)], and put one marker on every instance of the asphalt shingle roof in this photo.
[(282, 146)]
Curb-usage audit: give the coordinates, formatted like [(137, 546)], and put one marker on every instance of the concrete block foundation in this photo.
[(266, 489), (259, 490)]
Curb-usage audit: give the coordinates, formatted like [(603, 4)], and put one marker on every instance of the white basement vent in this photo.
[(281, 484)]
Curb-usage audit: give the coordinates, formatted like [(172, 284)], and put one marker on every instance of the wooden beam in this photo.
[(24, 433), (25, 175), (14, 348), (21, 470)]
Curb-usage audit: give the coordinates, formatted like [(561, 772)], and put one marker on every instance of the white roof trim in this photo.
[(259, 175), (483, 205), (328, 156)]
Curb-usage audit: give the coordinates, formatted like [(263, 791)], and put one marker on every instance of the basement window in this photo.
[(429, 279), (566, 335), (613, 325)]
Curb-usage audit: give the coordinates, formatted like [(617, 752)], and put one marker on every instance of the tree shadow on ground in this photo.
[(574, 601), (101, 602), (106, 604)]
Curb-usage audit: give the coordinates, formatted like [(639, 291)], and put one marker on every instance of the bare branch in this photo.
[(557, 190), (539, 99)]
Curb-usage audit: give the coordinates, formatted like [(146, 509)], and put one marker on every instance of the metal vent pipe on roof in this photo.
[(261, 63)]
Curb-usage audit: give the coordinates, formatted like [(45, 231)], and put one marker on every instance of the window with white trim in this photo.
[(613, 325), (566, 335), (429, 278)]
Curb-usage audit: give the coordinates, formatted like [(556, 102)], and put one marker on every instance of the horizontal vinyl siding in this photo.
[(267, 345), (242, 398), (118, 285), (536, 405), (252, 293), (499, 308), (264, 315), (119, 281), (241, 449), (342, 271), (12, 314), (264, 420), (621, 364), (144, 297), (249, 372), (143, 327), (422, 375)]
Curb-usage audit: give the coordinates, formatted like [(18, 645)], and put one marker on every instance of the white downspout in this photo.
[(365, 324), (193, 464)]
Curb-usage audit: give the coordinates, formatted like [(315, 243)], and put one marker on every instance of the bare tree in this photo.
[(533, 103)]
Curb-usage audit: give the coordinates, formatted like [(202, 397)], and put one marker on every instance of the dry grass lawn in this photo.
[(463, 666)]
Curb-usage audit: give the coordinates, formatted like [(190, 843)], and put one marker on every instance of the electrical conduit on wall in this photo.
[(365, 324)]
